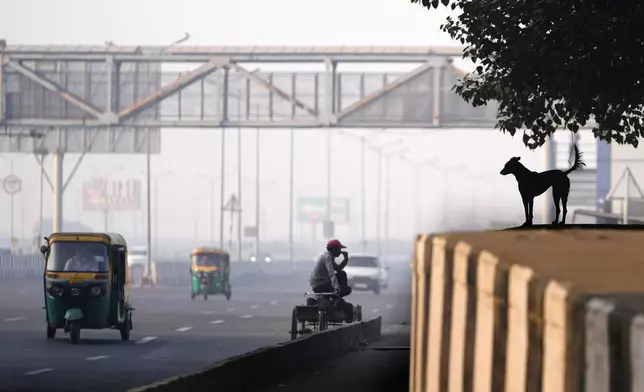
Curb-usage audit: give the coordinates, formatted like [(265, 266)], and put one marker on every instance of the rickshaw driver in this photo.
[(328, 276), (82, 261)]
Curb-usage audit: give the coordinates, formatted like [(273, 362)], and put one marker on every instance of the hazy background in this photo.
[(189, 156)]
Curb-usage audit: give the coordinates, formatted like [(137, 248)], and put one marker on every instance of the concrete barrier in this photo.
[(269, 364), (482, 323)]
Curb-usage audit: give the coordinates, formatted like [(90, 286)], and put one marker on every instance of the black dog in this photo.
[(533, 184)]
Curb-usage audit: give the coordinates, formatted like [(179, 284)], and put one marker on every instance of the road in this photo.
[(172, 334)]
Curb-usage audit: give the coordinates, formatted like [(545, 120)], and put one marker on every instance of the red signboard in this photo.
[(100, 194)]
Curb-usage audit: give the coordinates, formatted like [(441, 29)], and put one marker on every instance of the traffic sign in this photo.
[(11, 184), (315, 209)]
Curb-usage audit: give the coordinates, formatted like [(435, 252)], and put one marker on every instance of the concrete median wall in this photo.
[(168, 272), (482, 323), (270, 364)]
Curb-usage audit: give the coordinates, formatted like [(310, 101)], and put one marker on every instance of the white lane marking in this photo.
[(253, 306), (376, 310), (145, 339), (217, 322), (389, 306), (230, 310), (183, 329), (273, 302), (97, 358), (207, 312), (247, 316), (14, 319), (34, 372)]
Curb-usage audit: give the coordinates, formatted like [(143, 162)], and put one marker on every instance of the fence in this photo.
[(169, 272)]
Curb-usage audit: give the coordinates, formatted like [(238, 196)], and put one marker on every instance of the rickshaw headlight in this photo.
[(267, 259), (96, 290), (56, 290)]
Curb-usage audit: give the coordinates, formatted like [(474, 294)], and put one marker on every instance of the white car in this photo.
[(367, 272), (137, 255)]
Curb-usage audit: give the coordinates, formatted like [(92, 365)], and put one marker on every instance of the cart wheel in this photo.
[(125, 331), (322, 324), (51, 331), (294, 325), (74, 331)]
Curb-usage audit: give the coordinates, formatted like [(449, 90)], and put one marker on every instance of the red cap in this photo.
[(335, 244)]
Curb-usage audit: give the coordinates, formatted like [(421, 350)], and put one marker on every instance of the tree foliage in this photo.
[(553, 64)]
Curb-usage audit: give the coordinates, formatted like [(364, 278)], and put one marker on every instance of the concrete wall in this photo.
[(480, 324)]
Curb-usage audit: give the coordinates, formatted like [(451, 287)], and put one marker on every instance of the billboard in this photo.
[(101, 193), (314, 209)]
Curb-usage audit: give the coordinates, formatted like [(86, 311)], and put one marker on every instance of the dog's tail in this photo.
[(579, 163)]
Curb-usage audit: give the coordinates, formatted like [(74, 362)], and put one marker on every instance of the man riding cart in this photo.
[(329, 277)]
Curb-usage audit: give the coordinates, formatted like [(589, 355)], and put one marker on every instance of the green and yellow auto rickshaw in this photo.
[(86, 283), (210, 272)]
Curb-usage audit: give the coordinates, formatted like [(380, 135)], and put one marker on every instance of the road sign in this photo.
[(232, 204), (122, 195), (314, 209), (250, 231), (11, 184)]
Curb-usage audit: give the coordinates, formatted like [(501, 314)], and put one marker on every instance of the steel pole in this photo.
[(42, 175), (239, 190), (12, 206), (156, 214), (363, 193), (148, 244), (290, 198), (379, 202), (213, 187), (257, 193), (387, 203), (328, 180), (57, 159), (223, 182)]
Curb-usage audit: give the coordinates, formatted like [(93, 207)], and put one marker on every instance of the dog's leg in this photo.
[(526, 210), (564, 203), (565, 190), (556, 197), (531, 209)]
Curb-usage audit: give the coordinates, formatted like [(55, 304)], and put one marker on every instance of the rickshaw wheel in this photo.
[(228, 295), (205, 296), (51, 331), (294, 325), (322, 320), (125, 331), (74, 331), (192, 295)]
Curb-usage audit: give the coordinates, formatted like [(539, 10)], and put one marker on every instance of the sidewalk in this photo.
[(373, 368)]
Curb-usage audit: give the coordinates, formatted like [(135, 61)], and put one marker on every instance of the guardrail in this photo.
[(169, 272), (479, 320)]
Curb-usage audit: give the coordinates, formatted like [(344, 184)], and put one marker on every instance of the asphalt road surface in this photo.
[(172, 334)]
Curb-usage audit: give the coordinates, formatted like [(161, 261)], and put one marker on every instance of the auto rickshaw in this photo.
[(86, 284), (210, 272)]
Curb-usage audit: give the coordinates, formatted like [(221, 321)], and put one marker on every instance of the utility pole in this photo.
[(148, 244), (290, 198), (223, 182), (328, 184), (363, 193), (257, 193)]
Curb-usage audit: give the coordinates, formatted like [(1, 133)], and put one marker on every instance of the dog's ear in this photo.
[(517, 158)]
